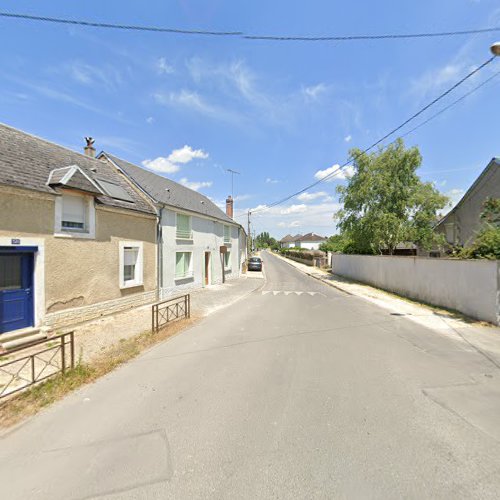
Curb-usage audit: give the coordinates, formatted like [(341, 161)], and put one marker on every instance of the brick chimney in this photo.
[(89, 149), (229, 206)]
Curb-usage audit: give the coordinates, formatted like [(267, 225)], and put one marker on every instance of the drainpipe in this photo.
[(159, 253)]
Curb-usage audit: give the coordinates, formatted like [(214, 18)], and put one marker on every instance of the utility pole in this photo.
[(232, 172), (249, 236)]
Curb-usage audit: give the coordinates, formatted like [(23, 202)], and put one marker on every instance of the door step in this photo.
[(19, 338)]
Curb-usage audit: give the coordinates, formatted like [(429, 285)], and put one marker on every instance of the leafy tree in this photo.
[(335, 243), (386, 203), (264, 240)]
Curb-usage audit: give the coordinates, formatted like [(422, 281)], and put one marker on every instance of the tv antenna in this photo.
[(232, 172)]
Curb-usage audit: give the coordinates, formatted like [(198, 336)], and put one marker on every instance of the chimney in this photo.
[(89, 149), (229, 206)]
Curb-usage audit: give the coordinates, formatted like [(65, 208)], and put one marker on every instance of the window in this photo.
[(227, 260), (114, 190), (74, 213), (74, 216), (10, 272), (131, 264), (184, 227), (183, 267), (227, 234)]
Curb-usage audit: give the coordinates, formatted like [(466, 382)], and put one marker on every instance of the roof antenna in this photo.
[(232, 172)]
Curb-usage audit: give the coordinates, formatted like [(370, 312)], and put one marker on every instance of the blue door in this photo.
[(16, 290)]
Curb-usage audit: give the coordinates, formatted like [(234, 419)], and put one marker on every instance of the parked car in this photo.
[(255, 264)]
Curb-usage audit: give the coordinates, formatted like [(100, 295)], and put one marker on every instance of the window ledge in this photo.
[(187, 277), (87, 236), (131, 284)]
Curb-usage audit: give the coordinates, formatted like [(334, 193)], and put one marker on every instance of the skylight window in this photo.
[(114, 190)]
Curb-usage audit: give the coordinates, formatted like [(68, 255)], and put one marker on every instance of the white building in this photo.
[(310, 241), (198, 244)]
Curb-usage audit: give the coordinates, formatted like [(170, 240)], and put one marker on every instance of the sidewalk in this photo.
[(481, 336), (92, 338)]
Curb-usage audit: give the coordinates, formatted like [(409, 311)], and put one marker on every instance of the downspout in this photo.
[(159, 253)]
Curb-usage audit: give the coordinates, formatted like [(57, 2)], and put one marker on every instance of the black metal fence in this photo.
[(34, 362), (170, 310)]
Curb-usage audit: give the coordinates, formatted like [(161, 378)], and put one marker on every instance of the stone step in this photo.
[(17, 334), (21, 341)]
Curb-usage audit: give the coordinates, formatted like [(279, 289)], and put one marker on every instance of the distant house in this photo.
[(76, 239), (461, 224), (199, 244), (286, 241), (311, 241)]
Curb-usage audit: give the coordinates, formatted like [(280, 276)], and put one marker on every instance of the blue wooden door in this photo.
[(16, 291)]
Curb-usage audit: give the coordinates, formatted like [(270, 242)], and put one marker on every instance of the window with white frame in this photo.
[(183, 229), (131, 264), (227, 260), (75, 216), (183, 265), (227, 234)]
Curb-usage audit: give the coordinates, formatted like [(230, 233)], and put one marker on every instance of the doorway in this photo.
[(207, 268), (16, 291)]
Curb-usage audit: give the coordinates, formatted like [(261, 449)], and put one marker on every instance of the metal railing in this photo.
[(184, 234), (170, 310), (37, 365)]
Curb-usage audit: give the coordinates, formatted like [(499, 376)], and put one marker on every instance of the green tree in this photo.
[(386, 203), (264, 240), (335, 243)]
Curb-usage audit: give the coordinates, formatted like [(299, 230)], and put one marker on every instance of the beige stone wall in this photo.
[(79, 272)]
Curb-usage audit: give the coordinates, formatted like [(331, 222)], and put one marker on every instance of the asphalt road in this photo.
[(296, 391)]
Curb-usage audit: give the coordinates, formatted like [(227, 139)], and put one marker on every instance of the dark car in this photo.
[(255, 264)]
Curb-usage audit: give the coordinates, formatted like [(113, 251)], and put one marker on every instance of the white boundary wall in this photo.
[(469, 286)]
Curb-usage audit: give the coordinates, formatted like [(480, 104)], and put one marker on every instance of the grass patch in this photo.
[(31, 401)]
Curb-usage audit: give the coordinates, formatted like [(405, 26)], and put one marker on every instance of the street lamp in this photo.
[(495, 49)]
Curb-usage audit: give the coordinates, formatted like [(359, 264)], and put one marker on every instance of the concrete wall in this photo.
[(468, 286), (77, 273), (208, 236), (310, 245)]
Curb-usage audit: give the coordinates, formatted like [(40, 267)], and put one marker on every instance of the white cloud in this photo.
[(163, 68), (242, 197), (314, 92), (162, 165), (271, 181), (294, 209), (312, 196), (348, 138), (455, 195), (150, 120), (196, 186), (170, 164), (92, 75), (186, 154), (341, 173)]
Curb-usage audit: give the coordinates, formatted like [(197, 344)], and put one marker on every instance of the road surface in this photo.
[(297, 391)]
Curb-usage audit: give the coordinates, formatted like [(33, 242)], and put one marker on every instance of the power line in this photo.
[(432, 117), (240, 34)]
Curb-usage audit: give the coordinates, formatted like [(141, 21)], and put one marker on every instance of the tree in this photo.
[(386, 203), (263, 240), (335, 243)]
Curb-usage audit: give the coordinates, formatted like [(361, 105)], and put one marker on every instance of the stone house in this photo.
[(77, 240), (463, 221), (198, 243)]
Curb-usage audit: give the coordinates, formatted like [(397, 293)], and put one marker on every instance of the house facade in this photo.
[(76, 240), (199, 244), (461, 224), (310, 241)]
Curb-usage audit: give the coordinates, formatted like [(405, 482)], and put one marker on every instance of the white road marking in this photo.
[(291, 292)]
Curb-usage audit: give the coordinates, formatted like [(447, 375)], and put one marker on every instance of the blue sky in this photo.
[(279, 113)]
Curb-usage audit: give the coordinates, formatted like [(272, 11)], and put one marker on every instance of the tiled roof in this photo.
[(168, 192), (312, 237), (26, 162), (287, 239)]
